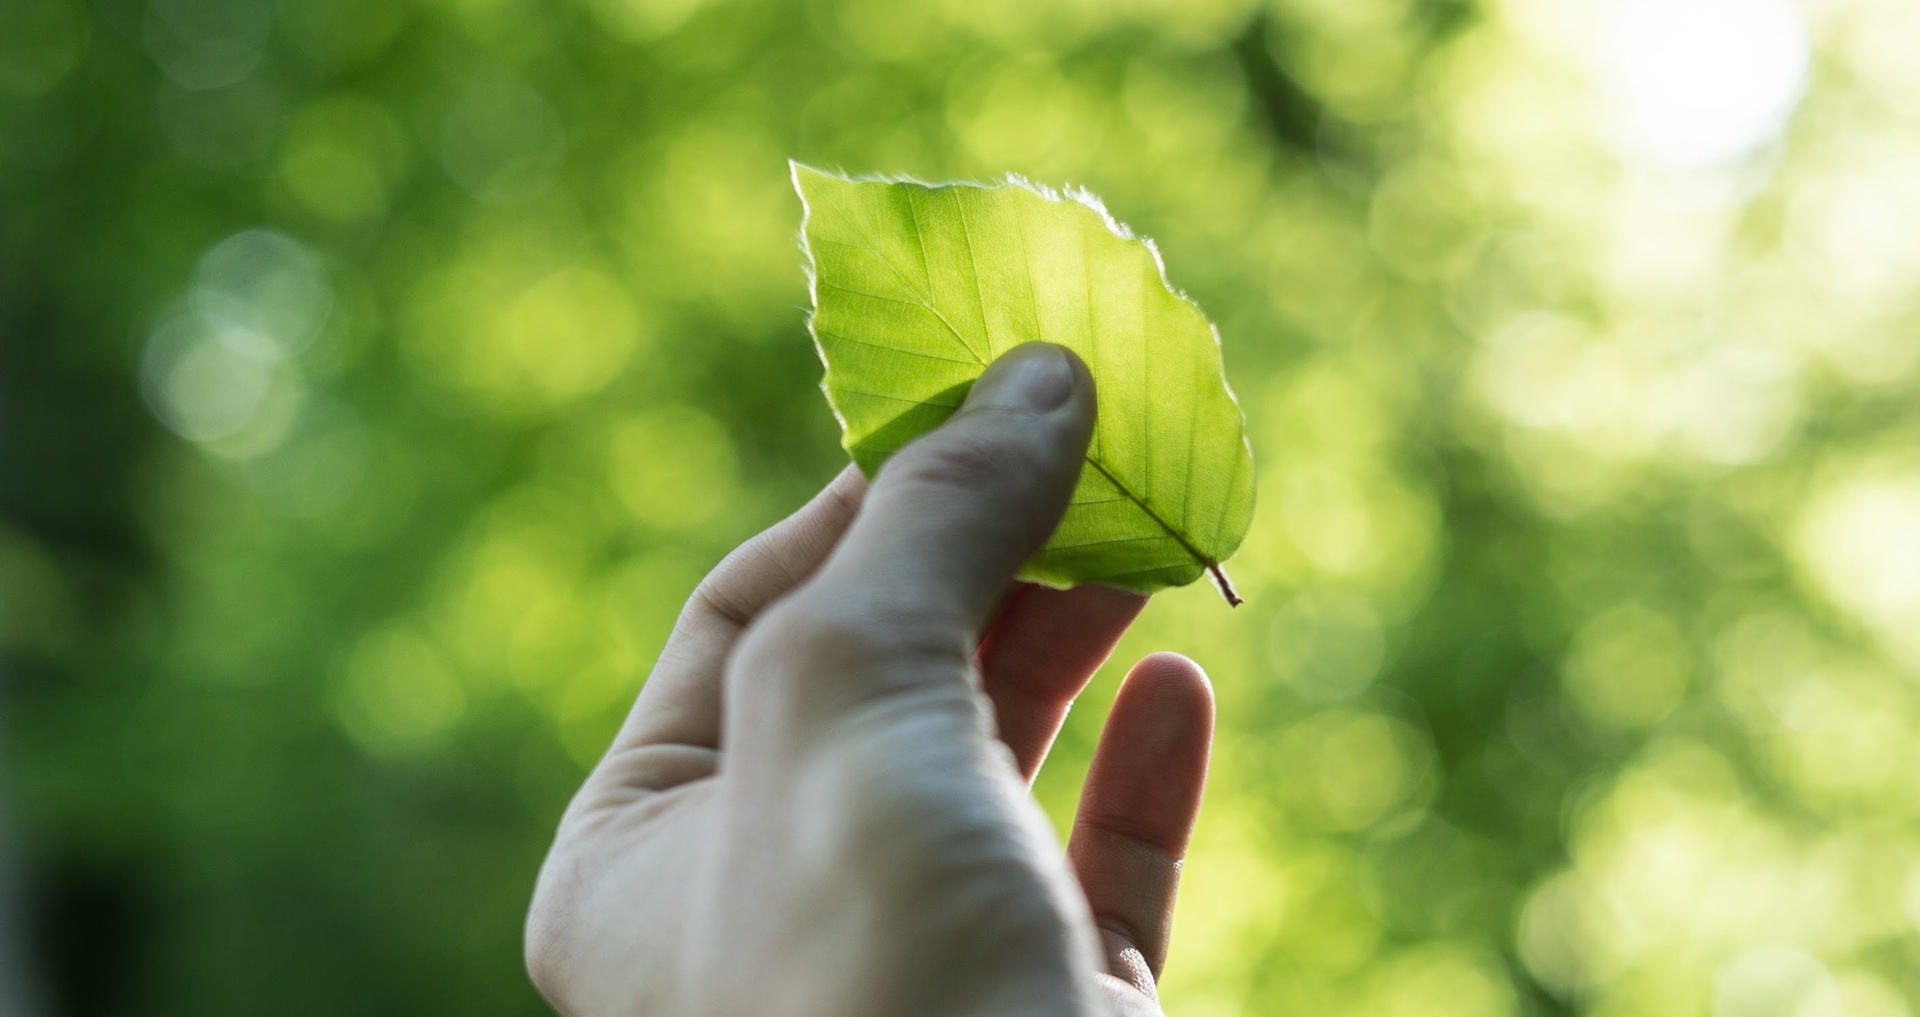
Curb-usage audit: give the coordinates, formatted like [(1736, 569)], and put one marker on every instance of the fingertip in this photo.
[(849, 484), (1169, 690), (1033, 377), (1083, 383), (1168, 666), (828, 513)]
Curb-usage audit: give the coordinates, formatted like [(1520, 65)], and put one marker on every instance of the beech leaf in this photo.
[(917, 287)]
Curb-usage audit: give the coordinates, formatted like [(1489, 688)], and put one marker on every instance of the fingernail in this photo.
[(1032, 376)]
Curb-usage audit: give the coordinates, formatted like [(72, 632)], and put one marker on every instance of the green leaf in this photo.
[(917, 287)]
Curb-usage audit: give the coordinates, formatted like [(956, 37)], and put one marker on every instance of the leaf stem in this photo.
[(1219, 574), (1226, 586)]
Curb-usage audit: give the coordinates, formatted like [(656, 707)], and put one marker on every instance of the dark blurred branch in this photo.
[(1292, 115)]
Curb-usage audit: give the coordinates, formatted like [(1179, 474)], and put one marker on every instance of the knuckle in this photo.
[(962, 897), (828, 637), (930, 829), (958, 891)]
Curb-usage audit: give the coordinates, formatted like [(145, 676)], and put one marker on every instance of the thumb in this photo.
[(954, 514), (946, 524), (856, 737)]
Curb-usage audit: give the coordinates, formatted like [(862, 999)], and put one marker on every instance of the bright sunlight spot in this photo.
[(1700, 83), (1861, 540)]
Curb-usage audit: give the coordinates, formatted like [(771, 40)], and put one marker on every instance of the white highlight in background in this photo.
[(1698, 84), (218, 364)]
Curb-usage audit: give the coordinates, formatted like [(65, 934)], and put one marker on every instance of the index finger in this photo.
[(679, 703)]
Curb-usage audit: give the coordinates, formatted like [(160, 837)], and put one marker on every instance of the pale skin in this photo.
[(819, 804)]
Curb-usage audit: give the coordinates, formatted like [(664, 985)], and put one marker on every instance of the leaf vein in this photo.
[(1184, 540), (925, 301), (1130, 573), (893, 398), (1140, 539), (903, 351), (966, 233)]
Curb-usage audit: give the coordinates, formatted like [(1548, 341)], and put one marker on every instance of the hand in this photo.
[(809, 811)]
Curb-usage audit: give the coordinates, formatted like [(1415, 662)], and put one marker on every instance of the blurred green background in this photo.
[(379, 375)]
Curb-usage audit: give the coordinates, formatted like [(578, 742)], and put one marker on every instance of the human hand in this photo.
[(818, 805)]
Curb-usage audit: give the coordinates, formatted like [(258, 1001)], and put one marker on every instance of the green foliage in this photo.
[(917, 288), (380, 375)]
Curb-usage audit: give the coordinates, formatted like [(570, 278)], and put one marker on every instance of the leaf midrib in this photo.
[(1141, 503)]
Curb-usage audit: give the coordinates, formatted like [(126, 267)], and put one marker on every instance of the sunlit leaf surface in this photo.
[(918, 287)]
